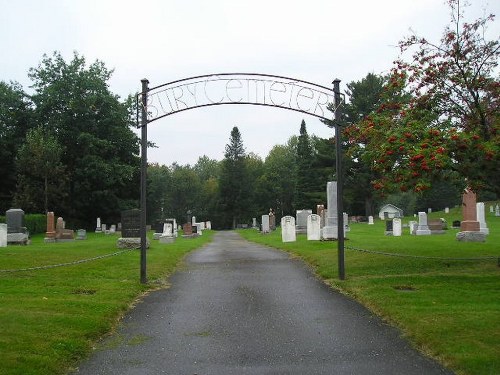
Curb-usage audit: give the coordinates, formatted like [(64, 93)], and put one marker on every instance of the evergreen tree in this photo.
[(234, 187), (305, 173)]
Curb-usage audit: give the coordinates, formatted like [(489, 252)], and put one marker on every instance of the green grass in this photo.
[(51, 318), (449, 310)]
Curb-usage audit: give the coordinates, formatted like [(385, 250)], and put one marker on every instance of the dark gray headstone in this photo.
[(131, 223), (15, 220), (388, 225), (159, 227)]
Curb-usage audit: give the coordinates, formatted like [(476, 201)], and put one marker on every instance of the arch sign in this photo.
[(238, 88)]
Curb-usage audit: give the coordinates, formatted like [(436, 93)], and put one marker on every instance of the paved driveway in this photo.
[(241, 308)]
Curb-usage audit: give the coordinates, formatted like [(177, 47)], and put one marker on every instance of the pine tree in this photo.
[(305, 176)]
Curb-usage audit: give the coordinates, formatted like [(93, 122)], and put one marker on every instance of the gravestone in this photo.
[(397, 227), (491, 209), (423, 228), (481, 217), (173, 223), (330, 230), (437, 226), (131, 223), (302, 215), (98, 228), (104, 227), (272, 220), (469, 227), (112, 229), (158, 228), (131, 230), (81, 234), (320, 211), (347, 228), (388, 228), (413, 227), (63, 234), (16, 231), (313, 227), (3, 235), (265, 224), (429, 211), (446, 210), (254, 222), (168, 233), (288, 229), (208, 225), (201, 225), (370, 220), (193, 220), (497, 210), (187, 229), (50, 234)]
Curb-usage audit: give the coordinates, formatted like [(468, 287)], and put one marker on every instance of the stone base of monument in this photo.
[(156, 236), (329, 233), (167, 239), (17, 238), (468, 236), (130, 243)]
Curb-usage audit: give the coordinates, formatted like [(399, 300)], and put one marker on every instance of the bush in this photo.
[(35, 223)]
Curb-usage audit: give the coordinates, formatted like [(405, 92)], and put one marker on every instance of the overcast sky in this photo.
[(166, 40)]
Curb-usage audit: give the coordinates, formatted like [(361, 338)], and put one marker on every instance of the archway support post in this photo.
[(340, 182), (144, 169)]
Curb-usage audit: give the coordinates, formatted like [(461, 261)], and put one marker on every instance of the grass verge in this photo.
[(448, 309), (50, 318)]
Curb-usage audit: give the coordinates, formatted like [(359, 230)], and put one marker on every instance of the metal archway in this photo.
[(239, 88)]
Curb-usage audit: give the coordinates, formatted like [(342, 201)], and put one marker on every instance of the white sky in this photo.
[(314, 40)]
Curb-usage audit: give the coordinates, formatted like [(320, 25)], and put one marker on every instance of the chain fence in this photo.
[(67, 263), (485, 258)]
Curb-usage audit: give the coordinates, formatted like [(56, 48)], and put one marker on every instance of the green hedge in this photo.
[(35, 223)]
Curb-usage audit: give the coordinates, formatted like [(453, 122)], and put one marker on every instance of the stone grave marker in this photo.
[(3, 235), (469, 227), (16, 232), (413, 227), (50, 234), (396, 227), (265, 224), (168, 233), (187, 229), (320, 211), (302, 215), (288, 229), (330, 230), (481, 217), (497, 210), (63, 234), (272, 220), (370, 220), (313, 227), (388, 227), (446, 210), (437, 226), (347, 228), (81, 234), (422, 228), (98, 228), (131, 230)]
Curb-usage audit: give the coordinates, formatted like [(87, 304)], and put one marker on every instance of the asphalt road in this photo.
[(241, 308)]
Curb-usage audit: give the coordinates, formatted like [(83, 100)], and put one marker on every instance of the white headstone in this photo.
[(3, 235), (288, 229), (447, 210), (413, 226), (346, 222), (98, 225), (202, 225), (103, 227), (167, 229), (265, 223), (423, 228), (208, 225), (112, 228), (481, 217), (497, 210), (491, 209), (313, 227), (370, 220), (254, 222), (330, 230), (396, 227), (193, 220), (429, 210)]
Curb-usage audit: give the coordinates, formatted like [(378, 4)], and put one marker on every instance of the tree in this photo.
[(15, 121), (100, 154), (279, 181), (233, 186), (39, 169), (305, 173), (458, 81)]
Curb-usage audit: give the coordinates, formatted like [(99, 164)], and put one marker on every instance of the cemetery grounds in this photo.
[(449, 309), (53, 317)]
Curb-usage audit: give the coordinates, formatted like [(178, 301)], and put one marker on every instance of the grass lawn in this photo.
[(448, 309), (50, 318)]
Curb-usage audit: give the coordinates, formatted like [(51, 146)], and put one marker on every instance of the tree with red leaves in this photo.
[(439, 115)]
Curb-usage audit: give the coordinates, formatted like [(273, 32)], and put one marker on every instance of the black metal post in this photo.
[(144, 169), (338, 157)]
